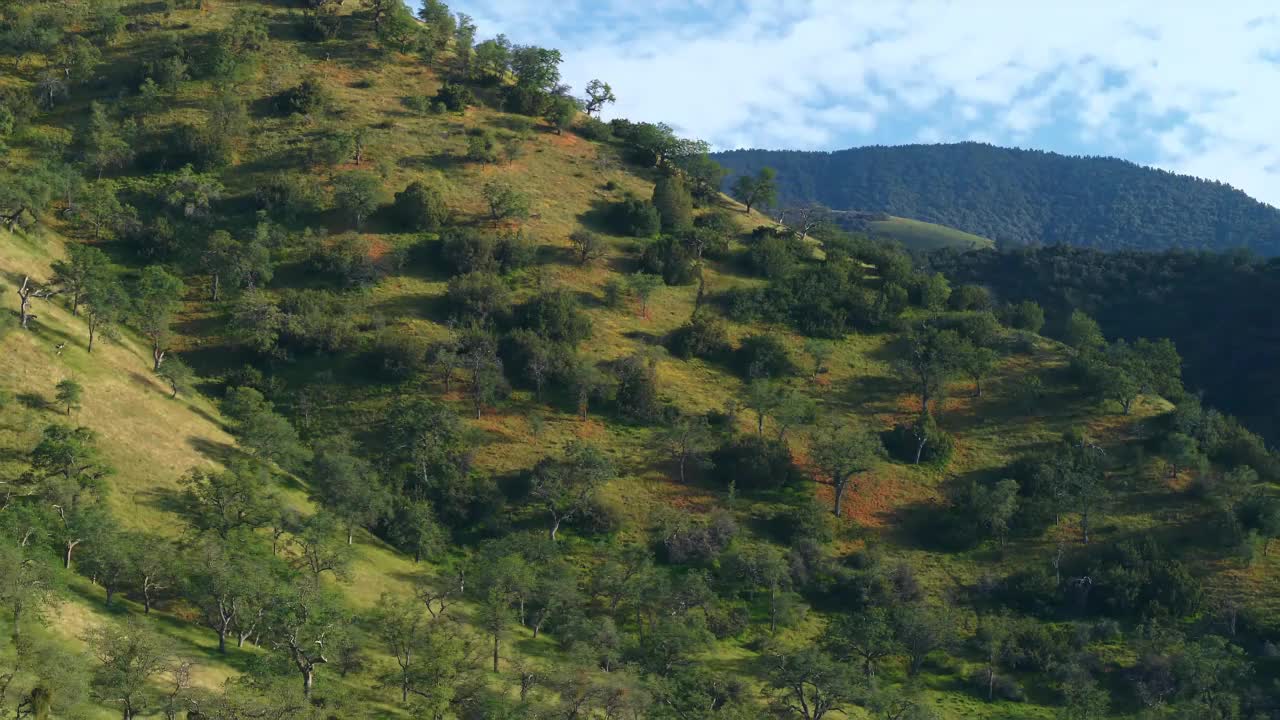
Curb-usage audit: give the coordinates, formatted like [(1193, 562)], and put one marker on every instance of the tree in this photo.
[(866, 636), (415, 530), (25, 584), (69, 393), (977, 362), (105, 145), (1182, 452), (234, 582), (674, 203), (224, 502), (348, 486), (759, 190), (421, 207), (809, 684), (642, 286), (433, 659), (1083, 697), (106, 304), (505, 201), (1082, 332), (565, 487), (309, 627), (484, 374), (320, 549), (132, 657), (995, 506), (926, 359), (177, 375), (234, 263), (688, 437), (157, 298), (840, 452), (934, 291), (587, 246), (26, 292), (263, 431), (921, 630), (561, 112), (73, 276), (599, 94), (358, 194)]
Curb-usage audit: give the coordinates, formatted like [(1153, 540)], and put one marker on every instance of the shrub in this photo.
[(465, 250), (482, 146), (479, 296), (396, 355), (593, 129), (514, 251), (704, 336), (455, 98), (587, 246), (308, 97), (683, 540), (669, 258), (636, 393), (763, 356), (971, 297), (421, 207), (772, 256), (347, 258), (752, 462), (616, 293), (1025, 315), (635, 217), (903, 442), (288, 195), (556, 316)]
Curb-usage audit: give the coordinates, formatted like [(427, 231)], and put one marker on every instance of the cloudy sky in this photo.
[(1188, 85)]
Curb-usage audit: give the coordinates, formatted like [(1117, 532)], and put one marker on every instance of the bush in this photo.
[(482, 146), (635, 217), (971, 297), (773, 256), (763, 356), (455, 98), (397, 356), (593, 129), (421, 207), (636, 393), (1025, 315), (752, 462), (308, 97), (479, 296), (514, 251), (1001, 687), (556, 316), (288, 196), (466, 251), (903, 442), (682, 540), (347, 258), (616, 293), (669, 258), (704, 336)]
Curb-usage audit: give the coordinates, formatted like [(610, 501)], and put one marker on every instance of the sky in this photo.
[(1192, 86)]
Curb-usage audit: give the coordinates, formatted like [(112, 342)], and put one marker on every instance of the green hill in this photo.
[(925, 237), (417, 392), (1021, 197)]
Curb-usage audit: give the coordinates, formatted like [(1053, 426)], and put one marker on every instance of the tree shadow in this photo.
[(222, 453), (596, 218)]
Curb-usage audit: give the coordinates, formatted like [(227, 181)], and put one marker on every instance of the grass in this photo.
[(923, 236)]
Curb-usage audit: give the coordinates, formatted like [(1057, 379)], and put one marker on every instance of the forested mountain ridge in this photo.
[(353, 368), (1024, 197)]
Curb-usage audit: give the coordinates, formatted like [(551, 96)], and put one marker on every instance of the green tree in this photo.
[(74, 275), (839, 452), (348, 486), (157, 298), (761, 189), (309, 627), (415, 530), (69, 394), (561, 112), (132, 658), (642, 286), (599, 94), (587, 246), (674, 203), (995, 506), (25, 584), (505, 201), (565, 487), (977, 362), (865, 636), (106, 146), (810, 685), (688, 438), (358, 195), (1082, 332), (262, 430), (934, 291), (421, 207), (927, 359), (177, 375), (226, 501)]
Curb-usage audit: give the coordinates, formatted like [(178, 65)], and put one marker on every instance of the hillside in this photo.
[(1022, 197), (919, 236), (418, 392)]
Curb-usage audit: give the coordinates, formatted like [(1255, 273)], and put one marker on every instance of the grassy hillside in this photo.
[(665, 592), (921, 236)]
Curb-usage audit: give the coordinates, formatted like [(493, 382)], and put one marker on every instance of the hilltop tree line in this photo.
[(1024, 197)]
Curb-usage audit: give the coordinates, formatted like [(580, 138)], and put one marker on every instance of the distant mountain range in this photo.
[(1024, 197)]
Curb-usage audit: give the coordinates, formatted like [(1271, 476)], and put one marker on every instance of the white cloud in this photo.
[(1197, 81)]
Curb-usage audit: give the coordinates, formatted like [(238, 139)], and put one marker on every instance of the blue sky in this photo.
[(1188, 85)]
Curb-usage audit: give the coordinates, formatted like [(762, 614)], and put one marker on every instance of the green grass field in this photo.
[(922, 236)]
